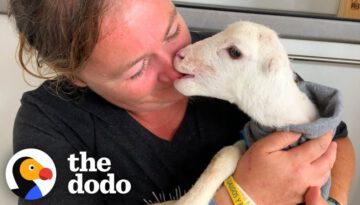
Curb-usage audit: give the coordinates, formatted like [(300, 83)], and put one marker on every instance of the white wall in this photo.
[(12, 86)]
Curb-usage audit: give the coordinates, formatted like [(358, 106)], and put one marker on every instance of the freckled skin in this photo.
[(126, 34)]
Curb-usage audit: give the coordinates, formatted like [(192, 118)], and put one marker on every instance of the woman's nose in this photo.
[(167, 72)]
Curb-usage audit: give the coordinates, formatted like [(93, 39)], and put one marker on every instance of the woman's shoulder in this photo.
[(52, 92), (53, 103), (44, 114)]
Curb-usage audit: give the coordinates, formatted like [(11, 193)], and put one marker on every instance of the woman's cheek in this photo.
[(143, 85)]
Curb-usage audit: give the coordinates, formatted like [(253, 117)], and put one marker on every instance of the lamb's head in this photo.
[(232, 61)]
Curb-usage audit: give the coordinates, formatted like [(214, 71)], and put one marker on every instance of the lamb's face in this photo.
[(237, 54)]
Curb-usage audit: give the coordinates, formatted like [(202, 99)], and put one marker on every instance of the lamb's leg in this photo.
[(221, 166)]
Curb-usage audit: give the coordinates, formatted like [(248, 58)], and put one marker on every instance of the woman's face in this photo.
[(132, 63)]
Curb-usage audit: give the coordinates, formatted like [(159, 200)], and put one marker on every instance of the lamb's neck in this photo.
[(282, 105)]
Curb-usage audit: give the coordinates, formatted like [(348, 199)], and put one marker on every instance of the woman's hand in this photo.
[(271, 175)]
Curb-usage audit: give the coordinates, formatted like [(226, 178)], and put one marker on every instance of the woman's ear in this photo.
[(76, 80), (79, 83)]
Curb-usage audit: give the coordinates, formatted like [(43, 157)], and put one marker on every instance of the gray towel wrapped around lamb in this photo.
[(329, 104)]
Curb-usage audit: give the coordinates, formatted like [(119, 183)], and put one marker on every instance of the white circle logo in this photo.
[(30, 174)]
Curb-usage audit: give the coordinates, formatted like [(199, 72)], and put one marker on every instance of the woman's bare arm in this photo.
[(343, 171)]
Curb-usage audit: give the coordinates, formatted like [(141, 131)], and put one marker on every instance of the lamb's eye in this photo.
[(234, 52)]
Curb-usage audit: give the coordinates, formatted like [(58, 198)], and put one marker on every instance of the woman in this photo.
[(119, 55)]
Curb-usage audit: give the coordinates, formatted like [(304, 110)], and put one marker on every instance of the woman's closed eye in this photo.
[(143, 64), (174, 32)]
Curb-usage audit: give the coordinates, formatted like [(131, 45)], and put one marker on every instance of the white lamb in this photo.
[(247, 65)]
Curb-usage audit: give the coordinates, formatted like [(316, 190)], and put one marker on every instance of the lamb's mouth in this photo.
[(185, 75)]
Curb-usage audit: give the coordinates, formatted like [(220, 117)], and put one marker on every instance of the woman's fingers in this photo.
[(312, 149), (313, 197), (325, 163), (278, 141)]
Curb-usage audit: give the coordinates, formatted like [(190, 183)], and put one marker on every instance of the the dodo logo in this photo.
[(31, 174)]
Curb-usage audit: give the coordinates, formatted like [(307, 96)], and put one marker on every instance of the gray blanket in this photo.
[(329, 104)]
